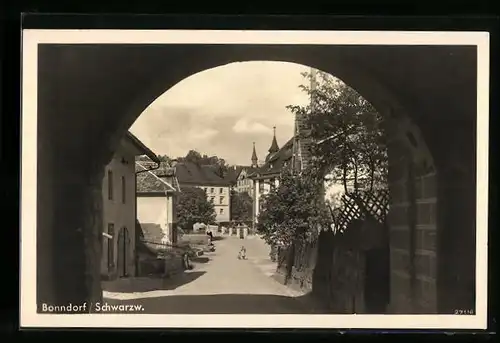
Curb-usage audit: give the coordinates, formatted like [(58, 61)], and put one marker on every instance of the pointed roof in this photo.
[(254, 154), (274, 144), (276, 163)]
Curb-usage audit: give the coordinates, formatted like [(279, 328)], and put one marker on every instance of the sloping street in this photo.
[(220, 283)]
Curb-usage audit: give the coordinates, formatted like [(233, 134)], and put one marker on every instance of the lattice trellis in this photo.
[(375, 203), (361, 204)]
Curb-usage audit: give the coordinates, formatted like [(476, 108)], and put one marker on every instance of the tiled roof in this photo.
[(233, 173), (193, 174), (251, 170), (153, 181), (276, 161)]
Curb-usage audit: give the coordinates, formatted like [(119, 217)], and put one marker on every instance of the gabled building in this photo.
[(216, 187), (157, 195), (266, 177), (118, 258), (239, 175)]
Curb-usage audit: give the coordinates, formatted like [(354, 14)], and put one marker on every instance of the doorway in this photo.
[(123, 247)]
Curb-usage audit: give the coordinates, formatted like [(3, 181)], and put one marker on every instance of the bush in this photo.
[(294, 210)]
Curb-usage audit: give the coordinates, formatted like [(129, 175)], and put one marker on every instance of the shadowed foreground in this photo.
[(217, 304), (148, 284), (219, 284)]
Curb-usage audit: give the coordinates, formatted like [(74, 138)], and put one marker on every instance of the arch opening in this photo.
[(405, 159), (403, 140)]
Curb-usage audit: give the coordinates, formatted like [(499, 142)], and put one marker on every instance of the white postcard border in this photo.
[(31, 38)]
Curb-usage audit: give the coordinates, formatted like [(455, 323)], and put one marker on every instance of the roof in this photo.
[(140, 145), (254, 154), (276, 161), (189, 173), (155, 181), (249, 170), (274, 144), (233, 172)]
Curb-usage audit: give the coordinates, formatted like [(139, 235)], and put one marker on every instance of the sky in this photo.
[(222, 111)]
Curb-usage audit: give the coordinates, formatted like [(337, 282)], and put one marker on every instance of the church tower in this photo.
[(254, 157), (274, 145)]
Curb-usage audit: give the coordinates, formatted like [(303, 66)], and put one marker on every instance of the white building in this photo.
[(157, 194), (217, 188)]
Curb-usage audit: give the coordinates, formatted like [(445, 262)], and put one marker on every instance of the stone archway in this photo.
[(89, 95)]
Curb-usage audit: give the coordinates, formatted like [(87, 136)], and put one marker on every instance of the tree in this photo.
[(164, 158), (293, 210), (219, 164), (241, 206), (346, 130), (192, 156), (193, 207)]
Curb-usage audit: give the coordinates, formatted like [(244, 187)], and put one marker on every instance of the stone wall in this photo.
[(301, 273), (331, 271), (413, 228)]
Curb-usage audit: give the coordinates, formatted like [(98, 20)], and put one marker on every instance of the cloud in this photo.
[(245, 126), (202, 134), (216, 113)]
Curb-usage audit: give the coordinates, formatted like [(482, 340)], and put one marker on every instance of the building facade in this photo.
[(216, 187), (157, 195), (119, 209), (243, 182), (220, 196), (266, 177)]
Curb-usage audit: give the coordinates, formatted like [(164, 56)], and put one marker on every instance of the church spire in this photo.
[(254, 157), (274, 144)]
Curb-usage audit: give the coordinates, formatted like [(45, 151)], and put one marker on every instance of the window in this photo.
[(221, 200), (124, 190), (212, 190), (221, 211), (211, 199), (110, 185), (111, 250), (221, 190)]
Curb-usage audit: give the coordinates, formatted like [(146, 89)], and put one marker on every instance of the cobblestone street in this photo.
[(220, 283)]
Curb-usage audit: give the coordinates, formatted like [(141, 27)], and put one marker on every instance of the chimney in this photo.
[(302, 143)]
